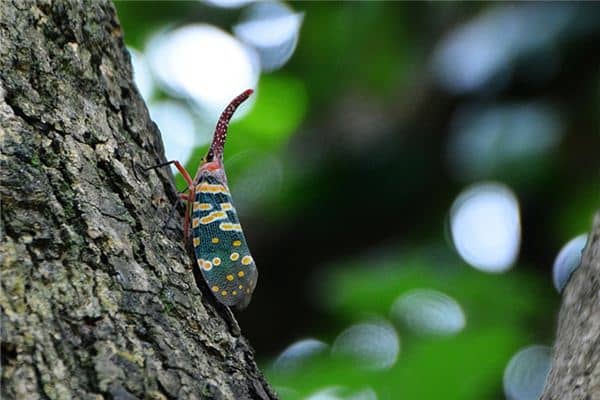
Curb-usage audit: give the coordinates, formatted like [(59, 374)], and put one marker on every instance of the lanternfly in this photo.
[(219, 243)]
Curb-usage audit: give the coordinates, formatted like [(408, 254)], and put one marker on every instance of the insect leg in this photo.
[(186, 176), (182, 196), (188, 208)]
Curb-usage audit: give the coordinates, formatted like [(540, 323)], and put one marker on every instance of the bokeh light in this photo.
[(487, 140), (374, 345), (427, 311), (485, 226), (299, 354), (343, 393), (206, 64), (567, 261), (481, 54), (176, 124), (272, 28), (526, 372), (141, 74), (229, 3)]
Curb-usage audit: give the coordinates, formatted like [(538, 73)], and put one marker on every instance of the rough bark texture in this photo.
[(97, 299), (575, 372)]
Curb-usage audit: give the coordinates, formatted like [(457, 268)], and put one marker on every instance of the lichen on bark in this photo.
[(97, 300)]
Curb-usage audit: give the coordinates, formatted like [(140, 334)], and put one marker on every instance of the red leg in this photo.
[(189, 200), (186, 222), (186, 176)]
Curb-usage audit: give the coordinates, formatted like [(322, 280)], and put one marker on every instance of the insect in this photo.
[(220, 247)]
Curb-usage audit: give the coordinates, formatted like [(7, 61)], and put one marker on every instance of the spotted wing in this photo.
[(220, 246)]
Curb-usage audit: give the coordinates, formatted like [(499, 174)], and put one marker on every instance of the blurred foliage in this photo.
[(352, 44), (359, 130), (579, 208), (503, 314), (272, 121), (370, 287)]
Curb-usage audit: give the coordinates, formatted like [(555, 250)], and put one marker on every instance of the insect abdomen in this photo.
[(220, 246)]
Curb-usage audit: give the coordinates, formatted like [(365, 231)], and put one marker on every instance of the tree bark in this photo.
[(97, 299), (575, 371)]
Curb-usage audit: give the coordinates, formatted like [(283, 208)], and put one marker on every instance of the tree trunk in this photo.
[(97, 299), (575, 372)]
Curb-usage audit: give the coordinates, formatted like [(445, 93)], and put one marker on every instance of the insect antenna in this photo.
[(174, 207)]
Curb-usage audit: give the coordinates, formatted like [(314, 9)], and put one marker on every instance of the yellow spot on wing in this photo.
[(209, 188), (202, 206), (207, 265), (213, 216), (195, 222), (230, 277), (241, 286), (215, 288), (226, 226), (215, 240), (246, 260), (237, 243), (216, 261), (196, 242), (234, 293), (234, 256), (226, 206), (224, 293), (241, 275)]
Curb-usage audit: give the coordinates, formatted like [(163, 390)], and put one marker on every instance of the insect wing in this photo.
[(220, 246)]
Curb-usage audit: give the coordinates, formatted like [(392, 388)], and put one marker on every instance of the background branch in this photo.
[(575, 372)]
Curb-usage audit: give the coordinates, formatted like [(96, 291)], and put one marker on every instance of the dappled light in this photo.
[(177, 127), (205, 64), (426, 311), (373, 345), (567, 261), (229, 3), (485, 227), (482, 54), (141, 74), (298, 354), (342, 393), (272, 29), (488, 141), (526, 372)]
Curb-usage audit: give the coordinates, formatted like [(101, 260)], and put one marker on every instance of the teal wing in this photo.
[(220, 246)]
